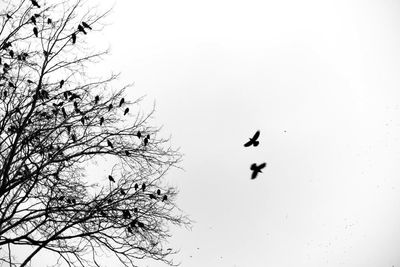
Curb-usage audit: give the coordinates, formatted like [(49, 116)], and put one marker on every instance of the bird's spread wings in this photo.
[(253, 166), (261, 166), (248, 143), (256, 135)]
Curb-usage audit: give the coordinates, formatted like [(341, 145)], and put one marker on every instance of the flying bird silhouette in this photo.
[(73, 37), (81, 29), (253, 141), (111, 178), (35, 3), (126, 111), (35, 31), (121, 102), (256, 169), (86, 25)]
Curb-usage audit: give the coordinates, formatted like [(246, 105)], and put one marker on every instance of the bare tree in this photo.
[(54, 119)]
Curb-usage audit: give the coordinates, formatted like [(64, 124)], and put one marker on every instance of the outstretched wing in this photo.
[(256, 135), (249, 143), (254, 174), (262, 166), (253, 166)]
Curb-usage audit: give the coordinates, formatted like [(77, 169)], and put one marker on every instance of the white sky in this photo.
[(327, 72)]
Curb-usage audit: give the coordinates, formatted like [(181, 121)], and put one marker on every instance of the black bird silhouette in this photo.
[(256, 169), (101, 120), (110, 107), (158, 192), (35, 3), (73, 37), (253, 141), (111, 178), (146, 141), (62, 83), (148, 136), (86, 25), (143, 187), (33, 19), (126, 111), (8, 16), (35, 31), (29, 81), (121, 102), (110, 144), (164, 198), (81, 29), (136, 186), (49, 21), (11, 52), (139, 134), (96, 99), (122, 192)]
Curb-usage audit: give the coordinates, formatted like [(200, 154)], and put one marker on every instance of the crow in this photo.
[(11, 52), (253, 141), (139, 134), (143, 187), (122, 192), (35, 31), (121, 102), (256, 169), (96, 99), (101, 120), (35, 3), (158, 192), (145, 141), (73, 37), (8, 16), (86, 25), (136, 186), (111, 178), (110, 144), (62, 83), (33, 19), (164, 198), (126, 111), (49, 21), (81, 29), (110, 107), (29, 81)]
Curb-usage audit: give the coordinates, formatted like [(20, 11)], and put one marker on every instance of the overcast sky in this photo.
[(320, 79)]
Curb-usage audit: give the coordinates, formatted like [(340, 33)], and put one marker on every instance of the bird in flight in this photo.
[(35, 3), (253, 141), (256, 169)]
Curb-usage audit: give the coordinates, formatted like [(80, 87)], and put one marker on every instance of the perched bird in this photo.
[(126, 111), (110, 107), (143, 187), (35, 3), (62, 83), (164, 198), (11, 53), (121, 102), (122, 192), (256, 169), (101, 120), (49, 21), (8, 16), (96, 99), (148, 136), (111, 178), (81, 29), (33, 19), (158, 192), (145, 141), (86, 25), (35, 31), (136, 186), (253, 141), (29, 81), (110, 144), (139, 134), (73, 38)]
